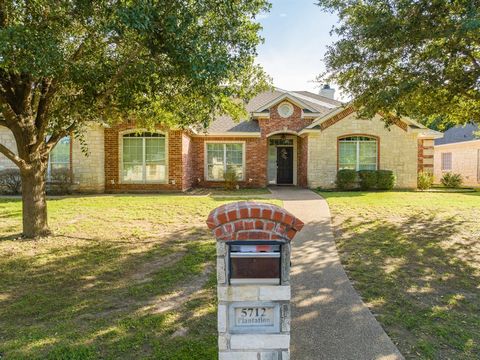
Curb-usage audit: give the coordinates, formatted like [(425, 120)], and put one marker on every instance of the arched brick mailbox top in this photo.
[(248, 220)]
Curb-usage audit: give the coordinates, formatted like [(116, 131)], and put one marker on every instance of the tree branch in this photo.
[(46, 96), (54, 139), (120, 71), (13, 157), (78, 53)]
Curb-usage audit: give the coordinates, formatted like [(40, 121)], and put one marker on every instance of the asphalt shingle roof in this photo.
[(224, 124), (459, 133)]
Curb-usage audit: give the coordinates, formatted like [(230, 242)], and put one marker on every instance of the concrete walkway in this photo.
[(329, 320)]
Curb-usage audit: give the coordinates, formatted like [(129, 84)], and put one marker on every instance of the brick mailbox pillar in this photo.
[(253, 276)]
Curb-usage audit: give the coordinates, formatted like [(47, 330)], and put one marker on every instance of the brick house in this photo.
[(291, 138)]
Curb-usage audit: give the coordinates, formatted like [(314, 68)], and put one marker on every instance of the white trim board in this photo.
[(205, 158)]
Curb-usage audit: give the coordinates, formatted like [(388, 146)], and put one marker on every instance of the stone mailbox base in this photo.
[(253, 317)]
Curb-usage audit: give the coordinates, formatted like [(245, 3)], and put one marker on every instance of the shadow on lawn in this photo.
[(97, 300), (417, 274)]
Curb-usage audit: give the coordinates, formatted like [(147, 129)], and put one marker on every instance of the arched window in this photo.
[(358, 153), (144, 158)]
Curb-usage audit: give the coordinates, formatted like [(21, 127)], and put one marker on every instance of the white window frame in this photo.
[(205, 158), (49, 165), (443, 161), (120, 157), (357, 142)]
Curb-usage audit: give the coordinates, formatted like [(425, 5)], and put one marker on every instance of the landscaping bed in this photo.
[(415, 260), (124, 277)]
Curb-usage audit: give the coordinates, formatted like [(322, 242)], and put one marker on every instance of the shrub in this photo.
[(424, 180), (452, 180), (230, 178), (346, 179), (368, 179), (10, 181), (61, 181), (385, 179)]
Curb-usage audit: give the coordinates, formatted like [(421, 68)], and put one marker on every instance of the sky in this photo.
[(296, 34)]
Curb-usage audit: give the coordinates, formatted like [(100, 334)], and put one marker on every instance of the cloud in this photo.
[(283, 15)]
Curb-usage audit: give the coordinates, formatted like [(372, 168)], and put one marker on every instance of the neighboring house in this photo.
[(291, 138), (459, 152)]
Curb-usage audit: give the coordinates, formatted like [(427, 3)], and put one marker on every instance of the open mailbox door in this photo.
[(252, 262)]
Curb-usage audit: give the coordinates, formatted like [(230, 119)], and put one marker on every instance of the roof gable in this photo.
[(404, 123), (286, 96), (312, 106)]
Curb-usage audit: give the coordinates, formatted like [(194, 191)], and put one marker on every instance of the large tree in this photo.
[(66, 63), (415, 58)]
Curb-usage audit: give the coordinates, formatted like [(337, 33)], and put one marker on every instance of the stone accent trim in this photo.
[(248, 220), (425, 155), (334, 119), (351, 109), (402, 125)]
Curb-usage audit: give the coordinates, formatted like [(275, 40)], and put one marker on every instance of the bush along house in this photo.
[(290, 138)]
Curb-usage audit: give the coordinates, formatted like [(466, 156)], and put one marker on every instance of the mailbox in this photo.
[(253, 279), (254, 262)]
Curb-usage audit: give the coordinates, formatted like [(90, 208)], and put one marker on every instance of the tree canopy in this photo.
[(411, 58), (66, 63)]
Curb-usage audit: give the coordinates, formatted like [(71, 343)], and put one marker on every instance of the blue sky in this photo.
[(296, 34)]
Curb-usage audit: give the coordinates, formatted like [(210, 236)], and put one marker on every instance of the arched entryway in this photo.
[(282, 159)]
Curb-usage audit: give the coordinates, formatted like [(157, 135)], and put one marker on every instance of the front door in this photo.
[(284, 165)]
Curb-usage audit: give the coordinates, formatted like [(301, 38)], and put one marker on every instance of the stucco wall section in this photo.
[(88, 169), (465, 161), (398, 151), (7, 139)]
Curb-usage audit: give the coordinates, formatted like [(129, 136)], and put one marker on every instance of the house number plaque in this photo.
[(254, 317)]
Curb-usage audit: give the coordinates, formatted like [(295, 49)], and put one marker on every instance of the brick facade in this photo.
[(256, 150), (276, 123), (316, 158), (255, 161), (248, 220), (186, 155), (302, 154), (176, 160)]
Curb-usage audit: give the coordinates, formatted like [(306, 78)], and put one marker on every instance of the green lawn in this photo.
[(415, 260), (124, 277)]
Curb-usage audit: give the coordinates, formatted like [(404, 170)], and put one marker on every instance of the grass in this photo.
[(224, 192), (415, 260), (127, 277)]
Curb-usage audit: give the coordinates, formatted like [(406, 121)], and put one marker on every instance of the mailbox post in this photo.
[(253, 276)]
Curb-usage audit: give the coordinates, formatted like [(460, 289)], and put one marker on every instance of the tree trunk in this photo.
[(34, 201)]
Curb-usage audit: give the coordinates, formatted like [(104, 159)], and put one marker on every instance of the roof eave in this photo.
[(257, 115), (431, 134), (474, 141), (229, 134), (309, 131)]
